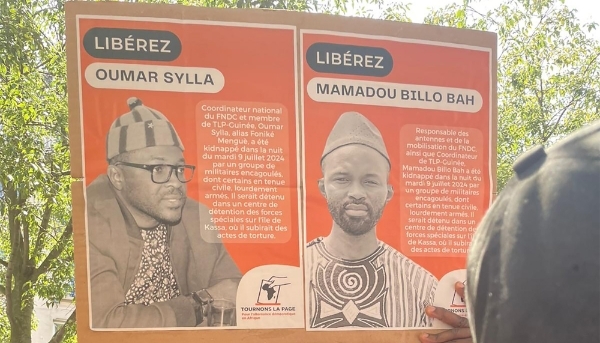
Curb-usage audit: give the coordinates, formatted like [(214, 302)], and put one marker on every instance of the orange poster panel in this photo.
[(190, 163), (397, 173)]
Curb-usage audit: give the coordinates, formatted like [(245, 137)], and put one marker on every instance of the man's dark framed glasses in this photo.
[(161, 173)]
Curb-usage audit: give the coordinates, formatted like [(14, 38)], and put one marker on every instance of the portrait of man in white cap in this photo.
[(149, 266), (355, 279)]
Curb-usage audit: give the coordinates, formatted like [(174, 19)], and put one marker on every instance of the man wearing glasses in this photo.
[(149, 265)]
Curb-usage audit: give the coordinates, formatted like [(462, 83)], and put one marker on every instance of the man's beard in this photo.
[(355, 226), (155, 210)]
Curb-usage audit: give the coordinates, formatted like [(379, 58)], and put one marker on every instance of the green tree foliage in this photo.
[(549, 85), (548, 71), (35, 234)]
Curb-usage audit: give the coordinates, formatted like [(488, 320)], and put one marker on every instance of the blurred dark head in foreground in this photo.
[(534, 264)]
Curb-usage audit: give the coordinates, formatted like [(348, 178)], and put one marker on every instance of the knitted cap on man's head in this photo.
[(533, 271), (354, 128), (140, 128)]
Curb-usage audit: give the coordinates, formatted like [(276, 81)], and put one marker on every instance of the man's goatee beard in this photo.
[(350, 226)]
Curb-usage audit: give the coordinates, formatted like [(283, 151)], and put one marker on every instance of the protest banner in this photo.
[(176, 130), (198, 133), (398, 156)]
